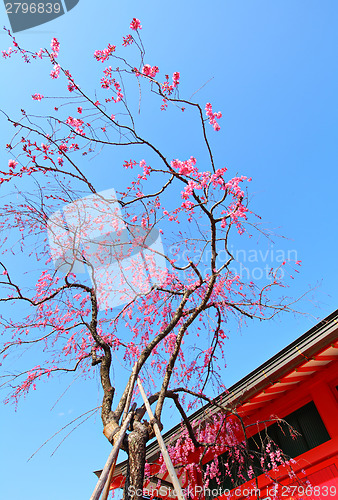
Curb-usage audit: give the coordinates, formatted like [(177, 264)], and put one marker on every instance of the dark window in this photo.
[(307, 423), (309, 432)]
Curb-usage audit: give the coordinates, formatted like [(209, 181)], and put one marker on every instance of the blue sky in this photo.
[(271, 68)]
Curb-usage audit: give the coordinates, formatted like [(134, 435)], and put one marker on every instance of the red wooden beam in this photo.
[(293, 379), (320, 357), (275, 389), (263, 399), (308, 369)]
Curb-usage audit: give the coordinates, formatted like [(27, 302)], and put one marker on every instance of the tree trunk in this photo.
[(137, 440)]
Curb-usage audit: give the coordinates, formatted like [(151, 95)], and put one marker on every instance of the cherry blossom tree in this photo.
[(143, 273)]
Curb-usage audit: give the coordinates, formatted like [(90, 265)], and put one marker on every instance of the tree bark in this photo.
[(137, 440)]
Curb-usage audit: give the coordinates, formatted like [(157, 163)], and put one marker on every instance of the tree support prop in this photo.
[(107, 485), (112, 456), (162, 445)]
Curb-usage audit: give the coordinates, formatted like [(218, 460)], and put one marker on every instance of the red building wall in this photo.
[(320, 464)]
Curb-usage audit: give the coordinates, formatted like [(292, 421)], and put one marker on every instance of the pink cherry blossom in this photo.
[(55, 45), (176, 78), (12, 163), (55, 73), (213, 116), (150, 71), (135, 24), (103, 55), (127, 40)]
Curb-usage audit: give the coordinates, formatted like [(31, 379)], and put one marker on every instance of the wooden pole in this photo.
[(107, 485), (130, 392), (161, 443), (113, 454)]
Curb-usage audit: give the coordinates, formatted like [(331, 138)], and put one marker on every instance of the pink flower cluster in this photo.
[(127, 40), (76, 123), (103, 55), (27, 56), (55, 73), (129, 164), (37, 97), (150, 71), (55, 45), (217, 178), (33, 375), (199, 179), (71, 86), (107, 82), (189, 189), (213, 116), (146, 169), (176, 78), (233, 185), (168, 88), (186, 167), (135, 24), (10, 174), (12, 164), (236, 209), (164, 105), (7, 53)]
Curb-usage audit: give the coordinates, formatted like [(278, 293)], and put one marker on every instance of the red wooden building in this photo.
[(300, 386)]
